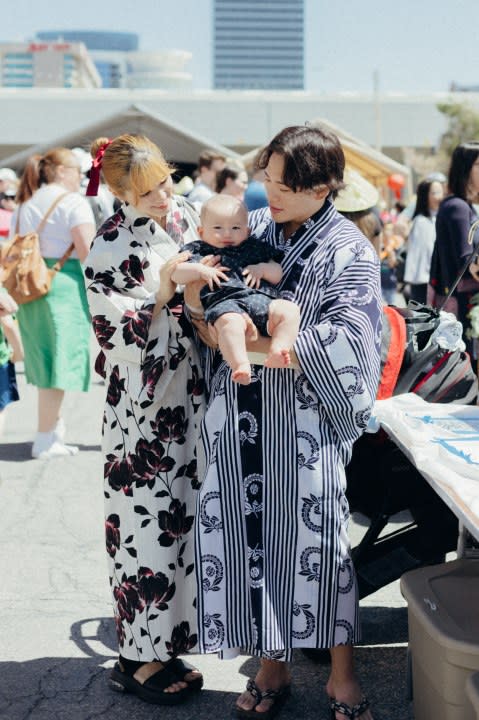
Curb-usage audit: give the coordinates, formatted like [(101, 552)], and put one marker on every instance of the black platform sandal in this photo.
[(277, 696), (181, 669), (152, 688), (350, 712)]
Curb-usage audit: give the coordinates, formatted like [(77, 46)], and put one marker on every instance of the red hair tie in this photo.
[(95, 170)]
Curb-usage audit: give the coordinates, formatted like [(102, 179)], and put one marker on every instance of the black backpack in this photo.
[(435, 374)]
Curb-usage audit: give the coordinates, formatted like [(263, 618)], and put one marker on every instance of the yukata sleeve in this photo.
[(142, 349), (340, 355)]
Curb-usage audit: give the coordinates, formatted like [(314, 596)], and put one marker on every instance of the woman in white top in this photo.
[(56, 328), (422, 237)]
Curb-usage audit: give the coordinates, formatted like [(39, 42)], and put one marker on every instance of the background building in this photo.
[(47, 64), (120, 63), (107, 50), (259, 44)]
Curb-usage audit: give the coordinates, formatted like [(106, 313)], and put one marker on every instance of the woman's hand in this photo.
[(7, 304), (167, 286)]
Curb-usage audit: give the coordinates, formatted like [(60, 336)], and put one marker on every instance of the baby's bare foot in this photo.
[(278, 359), (242, 374)]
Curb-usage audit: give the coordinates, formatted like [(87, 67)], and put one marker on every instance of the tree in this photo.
[(463, 126)]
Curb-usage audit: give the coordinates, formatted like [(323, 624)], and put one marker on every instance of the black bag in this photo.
[(435, 374)]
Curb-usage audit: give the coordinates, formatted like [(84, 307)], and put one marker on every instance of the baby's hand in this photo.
[(213, 275), (253, 274)]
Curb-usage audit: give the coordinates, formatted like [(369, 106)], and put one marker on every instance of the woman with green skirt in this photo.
[(55, 329)]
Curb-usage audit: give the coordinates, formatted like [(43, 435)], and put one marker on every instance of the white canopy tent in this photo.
[(179, 145)]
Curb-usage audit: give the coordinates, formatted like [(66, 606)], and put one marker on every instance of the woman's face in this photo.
[(435, 196), (69, 175), (156, 203), (287, 206), (237, 187)]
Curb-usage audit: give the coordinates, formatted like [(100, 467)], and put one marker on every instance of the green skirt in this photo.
[(56, 332)]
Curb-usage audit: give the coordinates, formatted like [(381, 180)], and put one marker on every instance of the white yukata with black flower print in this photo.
[(273, 555), (154, 405)]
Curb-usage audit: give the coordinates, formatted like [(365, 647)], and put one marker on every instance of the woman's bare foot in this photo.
[(242, 374), (278, 359), (271, 676), (149, 669)]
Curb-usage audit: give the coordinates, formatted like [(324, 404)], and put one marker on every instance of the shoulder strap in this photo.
[(49, 212), (61, 261)]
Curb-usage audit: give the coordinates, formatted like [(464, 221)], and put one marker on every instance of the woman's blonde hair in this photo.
[(42, 169), (131, 163)]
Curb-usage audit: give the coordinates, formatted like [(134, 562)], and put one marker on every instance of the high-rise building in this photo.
[(47, 64), (259, 44)]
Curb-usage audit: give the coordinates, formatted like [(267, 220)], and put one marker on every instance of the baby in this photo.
[(228, 300)]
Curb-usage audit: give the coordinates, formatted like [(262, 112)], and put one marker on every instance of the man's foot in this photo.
[(242, 374), (278, 359), (271, 676), (349, 697)]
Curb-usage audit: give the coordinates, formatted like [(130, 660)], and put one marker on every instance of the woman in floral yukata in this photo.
[(273, 555), (153, 410)]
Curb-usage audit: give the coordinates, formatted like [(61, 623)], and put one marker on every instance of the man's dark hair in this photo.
[(312, 157)]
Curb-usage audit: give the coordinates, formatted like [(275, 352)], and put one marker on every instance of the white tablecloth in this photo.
[(441, 440)]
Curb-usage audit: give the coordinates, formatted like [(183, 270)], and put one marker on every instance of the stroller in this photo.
[(381, 481)]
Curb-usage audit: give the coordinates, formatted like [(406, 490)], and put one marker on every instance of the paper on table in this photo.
[(442, 440)]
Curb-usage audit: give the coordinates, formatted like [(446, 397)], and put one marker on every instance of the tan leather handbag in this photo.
[(23, 271)]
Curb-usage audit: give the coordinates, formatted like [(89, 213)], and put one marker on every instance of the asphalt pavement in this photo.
[(57, 640)]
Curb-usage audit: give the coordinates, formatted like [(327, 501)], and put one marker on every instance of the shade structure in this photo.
[(374, 166), (179, 145)]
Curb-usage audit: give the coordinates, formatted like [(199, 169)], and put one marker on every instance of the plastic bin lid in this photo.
[(447, 597), (472, 688)]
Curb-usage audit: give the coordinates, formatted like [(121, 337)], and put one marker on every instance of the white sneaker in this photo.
[(47, 445), (60, 429)]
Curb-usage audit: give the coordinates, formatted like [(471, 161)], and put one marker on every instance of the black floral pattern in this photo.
[(103, 330), (175, 523), (112, 533), (181, 640), (136, 326), (115, 388)]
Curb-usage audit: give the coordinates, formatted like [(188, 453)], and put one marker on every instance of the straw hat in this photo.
[(358, 194)]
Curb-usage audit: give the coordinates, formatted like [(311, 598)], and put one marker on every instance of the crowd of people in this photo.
[(239, 332)]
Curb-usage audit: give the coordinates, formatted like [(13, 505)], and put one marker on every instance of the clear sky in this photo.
[(415, 46)]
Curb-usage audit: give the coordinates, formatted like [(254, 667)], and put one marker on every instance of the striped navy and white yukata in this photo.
[(272, 551)]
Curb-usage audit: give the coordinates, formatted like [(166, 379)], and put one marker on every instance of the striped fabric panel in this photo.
[(280, 520), (238, 629)]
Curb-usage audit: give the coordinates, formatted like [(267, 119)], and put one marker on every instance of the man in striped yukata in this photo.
[(273, 555)]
